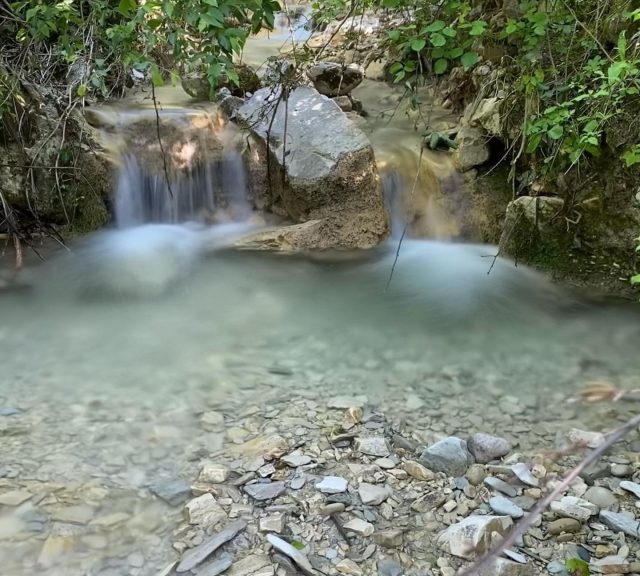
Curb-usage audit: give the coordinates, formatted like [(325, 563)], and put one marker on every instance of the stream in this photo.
[(104, 400)]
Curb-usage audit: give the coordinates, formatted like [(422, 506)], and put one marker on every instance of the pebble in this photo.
[(476, 474), (574, 507), (472, 536), (523, 473), (298, 557), (360, 527), (601, 497), (330, 509), (205, 511), (385, 463), (332, 485), (347, 566), (295, 459), (373, 446), (389, 567), (504, 507), (265, 490), (373, 494), (449, 456), (273, 523), (621, 470), (417, 471), (621, 523), (561, 525), (391, 538), (173, 492), (501, 486), (200, 553), (586, 438), (485, 448), (298, 482), (632, 487), (212, 473)]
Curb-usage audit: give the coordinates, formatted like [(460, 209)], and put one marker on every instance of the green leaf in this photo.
[(297, 545), (577, 567), (635, 279), (126, 6), (622, 44), (440, 66), (395, 67), (81, 90), (437, 39), (156, 77), (394, 35), (477, 28), (435, 26), (615, 71), (455, 53), (417, 44), (555, 132), (533, 143), (469, 59), (449, 32)]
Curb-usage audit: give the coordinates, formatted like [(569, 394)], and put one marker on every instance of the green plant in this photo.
[(577, 567)]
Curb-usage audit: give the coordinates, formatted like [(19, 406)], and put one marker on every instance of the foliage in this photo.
[(577, 567), (636, 279)]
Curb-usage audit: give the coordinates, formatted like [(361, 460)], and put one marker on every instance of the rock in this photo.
[(298, 557), (561, 525), (295, 459), (217, 566), (212, 473), (81, 514), (347, 566), (385, 463), (601, 497), (297, 482), (472, 148), (501, 486), (344, 103), (449, 456), (53, 549), (485, 448), (332, 485), (391, 538), (473, 535), (359, 527), (389, 567), (523, 473), (15, 497), (332, 184), (505, 507), (267, 447), (333, 79), (372, 446), (200, 553), (346, 402), (573, 507), (631, 487), (252, 565), (273, 523), (373, 494), (265, 490), (196, 83), (621, 523), (212, 421), (331, 509), (586, 438), (621, 470), (417, 471), (503, 567), (476, 474), (486, 114), (205, 511), (173, 492)]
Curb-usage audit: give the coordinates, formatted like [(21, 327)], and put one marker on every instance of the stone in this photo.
[(53, 549), (389, 567), (331, 190), (173, 492), (574, 507), (273, 523), (523, 473), (330, 509), (621, 470), (359, 527), (621, 523), (476, 474), (449, 456), (344, 103), (199, 554), (505, 507), (297, 482), (298, 557), (212, 473), (373, 446), (295, 459), (487, 114), (632, 487), (332, 485), (501, 486), (349, 567), (603, 498), (252, 565), (485, 448), (212, 421), (217, 566), (585, 438), (268, 447), (15, 498), (385, 463), (373, 494), (417, 471), (265, 490), (391, 538), (205, 511), (561, 525), (472, 536), (503, 567), (80, 514), (472, 148), (333, 79)]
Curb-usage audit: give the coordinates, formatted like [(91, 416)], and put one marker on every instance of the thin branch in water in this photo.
[(164, 156)]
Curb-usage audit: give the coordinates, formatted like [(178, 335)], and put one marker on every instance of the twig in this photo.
[(531, 516), (164, 156)]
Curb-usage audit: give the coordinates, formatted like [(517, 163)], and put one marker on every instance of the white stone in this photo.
[(213, 473), (205, 511), (273, 523), (360, 527), (473, 536), (332, 485), (373, 494)]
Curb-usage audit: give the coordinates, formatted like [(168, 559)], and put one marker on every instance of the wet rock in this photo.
[(14, 497), (332, 485), (213, 473), (485, 448), (473, 148), (601, 497), (360, 527), (8, 411), (53, 549), (81, 514), (265, 490), (621, 523), (449, 456), (199, 554), (205, 511), (331, 190), (389, 567), (573, 507), (505, 507), (417, 471), (473, 535), (267, 447), (346, 402), (173, 492), (212, 421), (349, 567), (372, 446), (586, 438), (561, 525), (391, 538), (373, 494), (295, 459), (298, 557), (333, 79)]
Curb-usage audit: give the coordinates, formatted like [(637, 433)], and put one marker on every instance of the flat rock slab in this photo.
[(265, 491), (200, 553)]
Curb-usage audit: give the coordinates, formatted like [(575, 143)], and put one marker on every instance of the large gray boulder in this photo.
[(334, 79), (309, 162)]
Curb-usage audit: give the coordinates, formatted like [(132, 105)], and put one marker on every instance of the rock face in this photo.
[(324, 176), (333, 79), (472, 148)]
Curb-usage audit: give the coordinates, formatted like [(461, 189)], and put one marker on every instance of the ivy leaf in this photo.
[(437, 39), (440, 67), (477, 28), (449, 32), (455, 53), (435, 26), (417, 44), (555, 132), (469, 59)]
